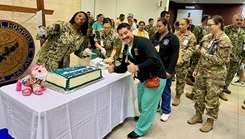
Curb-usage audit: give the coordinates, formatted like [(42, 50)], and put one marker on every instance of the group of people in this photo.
[(209, 52)]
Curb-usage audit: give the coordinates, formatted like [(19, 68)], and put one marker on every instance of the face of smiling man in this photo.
[(126, 35)]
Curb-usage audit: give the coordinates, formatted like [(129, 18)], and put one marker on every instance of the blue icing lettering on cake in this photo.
[(73, 71), (68, 79)]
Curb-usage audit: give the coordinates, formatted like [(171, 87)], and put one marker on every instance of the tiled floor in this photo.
[(230, 123)]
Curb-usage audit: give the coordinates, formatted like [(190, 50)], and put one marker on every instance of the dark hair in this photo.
[(141, 22), (121, 15), (165, 22), (106, 20), (150, 19), (218, 19), (88, 12), (205, 17), (83, 28), (163, 13), (176, 23), (123, 25), (135, 20), (99, 15), (187, 21)]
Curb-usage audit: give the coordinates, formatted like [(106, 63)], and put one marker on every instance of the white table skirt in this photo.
[(88, 113)]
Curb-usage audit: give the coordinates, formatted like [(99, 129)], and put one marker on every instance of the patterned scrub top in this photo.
[(109, 42), (60, 43)]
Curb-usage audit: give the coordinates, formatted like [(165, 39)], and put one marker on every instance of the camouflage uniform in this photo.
[(187, 44), (199, 32), (90, 23), (60, 43), (110, 42), (119, 49), (211, 73), (151, 30), (238, 42)]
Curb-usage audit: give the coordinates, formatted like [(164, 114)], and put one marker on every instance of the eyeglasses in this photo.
[(209, 25), (107, 28)]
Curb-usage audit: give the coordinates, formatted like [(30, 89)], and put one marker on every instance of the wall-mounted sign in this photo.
[(17, 50)]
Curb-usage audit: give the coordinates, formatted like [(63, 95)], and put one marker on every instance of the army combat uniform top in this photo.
[(237, 37), (90, 23), (151, 30), (211, 73), (60, 43), (199, 31), (109, 42), (187, 43)]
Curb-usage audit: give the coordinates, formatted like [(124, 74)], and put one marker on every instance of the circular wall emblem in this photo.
[(17, 50)]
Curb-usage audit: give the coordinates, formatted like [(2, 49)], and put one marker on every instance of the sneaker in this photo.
[(238, 83), (165, 117), (133, 135)]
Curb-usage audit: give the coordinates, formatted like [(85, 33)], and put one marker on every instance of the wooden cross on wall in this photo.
[(40, 6)]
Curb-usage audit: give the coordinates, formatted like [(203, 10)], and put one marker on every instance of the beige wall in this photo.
[(142, 9), (63, 10)]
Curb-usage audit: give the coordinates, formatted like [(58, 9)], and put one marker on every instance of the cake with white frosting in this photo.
[(68, 79)]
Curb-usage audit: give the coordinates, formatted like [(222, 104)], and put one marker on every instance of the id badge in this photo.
[(101, 43), (185, 42), (157, 48), (210, 44)]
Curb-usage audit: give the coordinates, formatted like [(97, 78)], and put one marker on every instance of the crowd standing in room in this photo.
[(206, 56)]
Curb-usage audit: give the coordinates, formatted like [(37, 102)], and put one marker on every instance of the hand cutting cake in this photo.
[(108, 60)]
